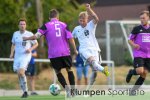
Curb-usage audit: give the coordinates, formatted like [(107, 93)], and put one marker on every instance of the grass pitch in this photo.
[(46, 97), (62, 97)]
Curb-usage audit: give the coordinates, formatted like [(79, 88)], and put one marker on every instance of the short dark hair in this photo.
[(145, 12), (22, 19), (53, 13)]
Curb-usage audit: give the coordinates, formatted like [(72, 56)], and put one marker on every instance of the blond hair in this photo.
[(145, 12), (83, 14)]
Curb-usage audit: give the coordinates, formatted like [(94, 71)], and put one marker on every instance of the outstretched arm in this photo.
[(92, 13), (12, 51), (34, 37)]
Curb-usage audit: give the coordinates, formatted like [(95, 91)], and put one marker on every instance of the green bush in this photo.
[(127, 58)]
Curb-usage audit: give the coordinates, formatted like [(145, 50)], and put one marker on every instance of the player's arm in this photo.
[(74, 58), (41, 31), (12, 51), (72, 43), (132, 38), (34, 54), (133, 45), (92, 13), (71, 40), (34, 37), (35, 45)]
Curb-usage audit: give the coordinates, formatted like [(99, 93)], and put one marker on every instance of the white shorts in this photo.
[(21, 62), (87, 53)]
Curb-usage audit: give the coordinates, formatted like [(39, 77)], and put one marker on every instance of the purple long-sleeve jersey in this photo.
[(57, 35), (141, 35)]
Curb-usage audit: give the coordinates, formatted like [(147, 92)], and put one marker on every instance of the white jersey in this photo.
[(21, 58), (86, 36)]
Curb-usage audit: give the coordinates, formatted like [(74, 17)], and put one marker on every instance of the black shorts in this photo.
[(61, 62), (30, 70), (142, 62)]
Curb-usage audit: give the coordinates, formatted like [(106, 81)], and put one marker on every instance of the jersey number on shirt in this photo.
[(86, 32), (24, 43), (58, 32)]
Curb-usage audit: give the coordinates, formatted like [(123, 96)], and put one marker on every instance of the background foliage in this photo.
[(12, 10)]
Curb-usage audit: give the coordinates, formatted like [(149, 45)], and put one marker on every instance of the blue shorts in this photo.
[(30, 70), (82, 70)]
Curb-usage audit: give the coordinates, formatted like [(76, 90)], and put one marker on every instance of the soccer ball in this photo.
[(54, 89)]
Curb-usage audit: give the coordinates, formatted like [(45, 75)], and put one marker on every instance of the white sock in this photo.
[(97, 66), (21, 84), (24, 83)]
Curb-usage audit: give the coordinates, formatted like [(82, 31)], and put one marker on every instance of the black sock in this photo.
[(61, 79), (138, 83), (71, 79), (133, 72)]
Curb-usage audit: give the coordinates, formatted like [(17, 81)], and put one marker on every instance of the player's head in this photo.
[(83, 18), (144, 17), (22, 24), (54, 14)]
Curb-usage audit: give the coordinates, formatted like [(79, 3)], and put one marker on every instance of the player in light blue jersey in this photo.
[(21, 51)]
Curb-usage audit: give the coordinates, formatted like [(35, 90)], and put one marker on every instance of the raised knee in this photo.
[(144, 74), (141, 72)]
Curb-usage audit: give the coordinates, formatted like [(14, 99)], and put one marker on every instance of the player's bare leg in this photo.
[(32, 85)]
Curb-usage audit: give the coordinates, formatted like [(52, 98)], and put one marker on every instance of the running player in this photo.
[(139, 39), (21, 51)]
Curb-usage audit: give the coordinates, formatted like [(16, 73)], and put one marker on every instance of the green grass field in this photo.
[(62, 97), (46, 97)]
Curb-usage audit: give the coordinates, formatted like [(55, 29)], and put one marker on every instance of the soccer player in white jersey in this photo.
[(88, 45), (21, 51)]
